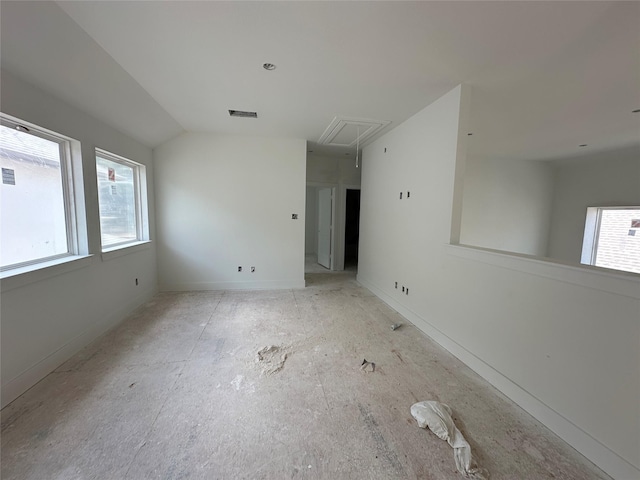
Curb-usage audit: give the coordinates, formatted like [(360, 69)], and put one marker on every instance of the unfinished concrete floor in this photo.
[(178, 391)]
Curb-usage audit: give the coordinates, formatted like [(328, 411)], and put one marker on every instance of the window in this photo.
[(37, 194), (122, 199), (612, 238)]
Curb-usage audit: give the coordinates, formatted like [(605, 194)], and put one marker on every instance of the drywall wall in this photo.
[(49, 314), (507, 205), (561, 341), (227, 201), (338, 172), (326, 169), (606, 181)]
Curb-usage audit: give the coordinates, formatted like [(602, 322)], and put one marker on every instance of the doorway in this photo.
[(351, 229)]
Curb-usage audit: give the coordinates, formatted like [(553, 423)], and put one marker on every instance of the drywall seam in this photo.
[(592, 449), (33, 374)]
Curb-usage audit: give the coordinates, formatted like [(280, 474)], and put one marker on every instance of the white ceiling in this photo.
[(545, 77)]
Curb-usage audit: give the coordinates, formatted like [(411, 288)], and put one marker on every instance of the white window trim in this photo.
[(141, 204), (73, 198)]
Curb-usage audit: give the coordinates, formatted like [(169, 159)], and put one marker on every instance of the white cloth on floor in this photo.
[(437, 417)]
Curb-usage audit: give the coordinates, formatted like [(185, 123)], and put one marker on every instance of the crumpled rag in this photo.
[(437, 417)]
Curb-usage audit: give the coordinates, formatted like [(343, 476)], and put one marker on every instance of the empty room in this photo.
[(322, 240)]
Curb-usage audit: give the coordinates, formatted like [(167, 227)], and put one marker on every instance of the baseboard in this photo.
[(32, 375), (212, 286), (599, 454)]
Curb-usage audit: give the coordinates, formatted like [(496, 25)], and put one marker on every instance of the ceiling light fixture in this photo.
[(268, 66)]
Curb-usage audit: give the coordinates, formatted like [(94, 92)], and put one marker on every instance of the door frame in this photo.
[(339, 217), (344, 216), (326, 255), (341, 222), (334, 219)]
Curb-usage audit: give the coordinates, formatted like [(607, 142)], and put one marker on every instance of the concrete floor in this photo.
[(178, 391)]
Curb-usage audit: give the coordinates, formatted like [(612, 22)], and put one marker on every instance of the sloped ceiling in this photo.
[(545, 76)]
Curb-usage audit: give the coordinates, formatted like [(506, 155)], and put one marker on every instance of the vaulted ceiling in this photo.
[(545, 77)]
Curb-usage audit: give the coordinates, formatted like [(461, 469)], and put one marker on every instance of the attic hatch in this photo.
[(343, 131), (241, 113)]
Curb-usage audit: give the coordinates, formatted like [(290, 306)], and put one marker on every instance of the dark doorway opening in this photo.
[(351, 229)]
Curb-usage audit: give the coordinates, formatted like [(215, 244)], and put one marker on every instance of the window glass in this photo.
[(121, 197), (618, 244), (33, 224), (612, 238)]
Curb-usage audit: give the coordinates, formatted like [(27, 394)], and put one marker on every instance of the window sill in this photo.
[(19, 277), (122, 250)]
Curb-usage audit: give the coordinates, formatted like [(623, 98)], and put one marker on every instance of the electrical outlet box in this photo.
[(253, 269), (239, 269)]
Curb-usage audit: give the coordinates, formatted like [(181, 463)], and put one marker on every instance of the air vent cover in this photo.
[(240, 113)]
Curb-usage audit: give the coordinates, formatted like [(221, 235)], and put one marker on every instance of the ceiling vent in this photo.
[(240, 113), (345, 131)]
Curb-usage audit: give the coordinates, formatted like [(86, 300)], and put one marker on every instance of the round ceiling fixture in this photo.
[(268, 66)]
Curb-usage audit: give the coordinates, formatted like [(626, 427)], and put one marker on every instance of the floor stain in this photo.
[(381, 443)]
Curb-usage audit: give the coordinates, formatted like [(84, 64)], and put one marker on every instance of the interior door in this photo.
[(325, 226)]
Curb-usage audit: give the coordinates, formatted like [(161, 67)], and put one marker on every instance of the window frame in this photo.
[(72, 193), (591, 236), (140, 200)]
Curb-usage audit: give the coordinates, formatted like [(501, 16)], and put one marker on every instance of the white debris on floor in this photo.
[(271, 358), (437, 417)]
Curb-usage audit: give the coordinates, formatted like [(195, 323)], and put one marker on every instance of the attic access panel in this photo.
[(343, 131)]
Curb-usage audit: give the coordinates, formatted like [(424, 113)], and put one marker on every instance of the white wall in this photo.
[(338, 172), (560, 341), (332, 170), (507, 205), (49, 314), (598, 182), (227, 201)]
